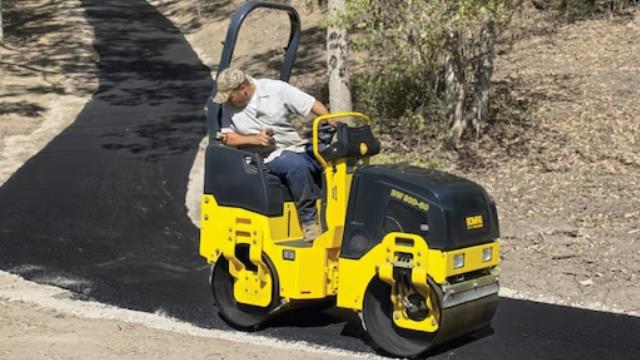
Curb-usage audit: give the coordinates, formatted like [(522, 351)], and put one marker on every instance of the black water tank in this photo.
[(449, 211)]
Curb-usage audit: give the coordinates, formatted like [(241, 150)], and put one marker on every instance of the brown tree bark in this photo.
[(468, 106), (483, 72), (1, 26), (455, 87), (337, 61)]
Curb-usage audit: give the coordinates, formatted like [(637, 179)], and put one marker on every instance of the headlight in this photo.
[(486, 254), (458, 261)]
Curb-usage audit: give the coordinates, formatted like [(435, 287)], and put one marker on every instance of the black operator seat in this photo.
[(238, 178)]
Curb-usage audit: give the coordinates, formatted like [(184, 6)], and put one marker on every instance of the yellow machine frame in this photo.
[(308, 271)]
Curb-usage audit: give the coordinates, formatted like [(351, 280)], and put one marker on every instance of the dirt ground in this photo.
[(43, 322), (568, 187), (564, 169), (47, 72), (33, 332)]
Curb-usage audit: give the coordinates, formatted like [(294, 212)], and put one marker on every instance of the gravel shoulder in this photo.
[(45, 322)]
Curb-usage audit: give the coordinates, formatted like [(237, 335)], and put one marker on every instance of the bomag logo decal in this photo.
[(474, 222), (409, 200)]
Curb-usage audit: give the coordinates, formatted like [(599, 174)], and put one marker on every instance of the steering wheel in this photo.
[(322, 119), (326, 132)]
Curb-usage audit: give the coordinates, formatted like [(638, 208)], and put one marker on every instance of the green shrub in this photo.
[(402, 81)]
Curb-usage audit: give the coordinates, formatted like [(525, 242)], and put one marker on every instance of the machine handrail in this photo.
[(323, 118)]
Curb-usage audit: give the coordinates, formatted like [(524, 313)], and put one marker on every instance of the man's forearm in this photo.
[(319, 108), (238, 140), (263, 138)]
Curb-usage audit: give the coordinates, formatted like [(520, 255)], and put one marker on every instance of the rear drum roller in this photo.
[(240, 316), (377, 317)]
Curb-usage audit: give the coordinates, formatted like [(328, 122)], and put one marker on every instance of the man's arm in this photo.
[(318, 109), (238, 140)]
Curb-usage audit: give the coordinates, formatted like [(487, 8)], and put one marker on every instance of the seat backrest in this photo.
[(238, 178)]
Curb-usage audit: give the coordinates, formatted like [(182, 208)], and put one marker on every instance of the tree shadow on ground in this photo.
[(311, 60), (31, 51), (128, 155), (571, 11), (145, 66), (344, 322), (512, 129), (22, 108), (194, 15), (309, 70), (23, 28), (543, 18)]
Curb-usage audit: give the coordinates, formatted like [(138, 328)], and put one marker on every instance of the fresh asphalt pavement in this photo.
[(100, 210)]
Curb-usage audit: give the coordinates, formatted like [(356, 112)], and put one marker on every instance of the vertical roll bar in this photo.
[(214, 111)]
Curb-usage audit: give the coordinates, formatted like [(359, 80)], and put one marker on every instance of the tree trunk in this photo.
[(455, 88), (1, 31), (337, 61), (483, 73)]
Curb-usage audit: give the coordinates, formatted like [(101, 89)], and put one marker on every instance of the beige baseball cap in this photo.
[(228, 80)]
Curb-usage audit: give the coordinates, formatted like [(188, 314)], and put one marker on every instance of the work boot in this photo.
[(311, 231)]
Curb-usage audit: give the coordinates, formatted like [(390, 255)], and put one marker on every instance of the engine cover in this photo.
[(450, 212)]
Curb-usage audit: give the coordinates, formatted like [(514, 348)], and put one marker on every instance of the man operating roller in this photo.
[(257, 115)]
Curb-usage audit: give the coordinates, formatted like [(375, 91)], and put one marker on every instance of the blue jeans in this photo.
[(302, 173)]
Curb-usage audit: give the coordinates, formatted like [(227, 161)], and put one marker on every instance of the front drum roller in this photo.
[(453, 321), (241, 316), (377, 310)]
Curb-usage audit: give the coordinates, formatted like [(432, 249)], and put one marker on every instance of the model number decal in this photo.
[(288, 255), (474, 222), (409, 200)]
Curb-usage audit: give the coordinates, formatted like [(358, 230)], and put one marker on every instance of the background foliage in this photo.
[(402, 80)]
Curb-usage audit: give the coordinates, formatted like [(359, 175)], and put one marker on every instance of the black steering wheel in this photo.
[(326, 132)]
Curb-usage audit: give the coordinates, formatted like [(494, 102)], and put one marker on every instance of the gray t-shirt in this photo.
[(272, 106)]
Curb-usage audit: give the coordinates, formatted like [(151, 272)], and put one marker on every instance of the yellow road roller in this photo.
[(411, 250)]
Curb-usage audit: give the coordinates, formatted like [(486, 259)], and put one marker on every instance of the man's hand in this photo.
[(264, 138)]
